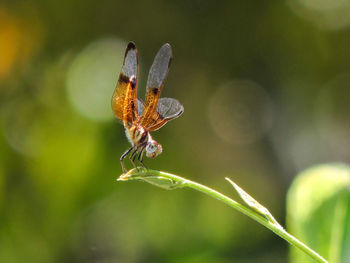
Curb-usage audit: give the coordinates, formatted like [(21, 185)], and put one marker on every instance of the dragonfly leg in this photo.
[(132, 156), (123, 157), (140, 157)]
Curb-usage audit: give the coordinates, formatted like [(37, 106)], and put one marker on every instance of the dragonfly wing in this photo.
[(167, 109), (156, 77), (140, 106), (124, 99)]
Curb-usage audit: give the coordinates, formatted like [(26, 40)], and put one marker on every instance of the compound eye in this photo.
[(151, 148)]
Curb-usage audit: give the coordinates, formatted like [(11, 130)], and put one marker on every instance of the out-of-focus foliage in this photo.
[(318, 212), (265, 86)]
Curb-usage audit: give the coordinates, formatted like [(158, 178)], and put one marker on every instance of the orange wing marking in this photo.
[(124, 99), (167, 109)]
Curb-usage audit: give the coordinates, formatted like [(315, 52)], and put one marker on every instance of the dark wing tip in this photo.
[(131, 61), (131, 45)]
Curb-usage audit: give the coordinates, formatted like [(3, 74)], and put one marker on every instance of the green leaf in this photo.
[(318, 212), (142, 174), (253, 204)]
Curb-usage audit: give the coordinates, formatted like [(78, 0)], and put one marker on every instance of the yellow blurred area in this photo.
[(19, 39)]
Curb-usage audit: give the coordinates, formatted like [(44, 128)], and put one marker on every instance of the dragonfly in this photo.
[(139, 117)]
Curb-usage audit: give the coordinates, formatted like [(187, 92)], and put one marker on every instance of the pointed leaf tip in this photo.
[(252, 203)]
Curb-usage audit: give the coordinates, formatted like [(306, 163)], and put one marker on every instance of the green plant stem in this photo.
[(156, 177)]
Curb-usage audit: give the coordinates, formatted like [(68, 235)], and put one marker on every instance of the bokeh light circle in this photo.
[(240, 112), (327, 15), (92, 77)]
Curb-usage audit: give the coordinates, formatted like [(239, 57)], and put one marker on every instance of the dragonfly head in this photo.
[(153, 149)]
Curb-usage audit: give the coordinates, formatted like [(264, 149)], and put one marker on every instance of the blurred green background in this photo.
[(265, 86)]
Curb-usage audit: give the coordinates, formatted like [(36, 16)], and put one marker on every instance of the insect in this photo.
[(140, 118)]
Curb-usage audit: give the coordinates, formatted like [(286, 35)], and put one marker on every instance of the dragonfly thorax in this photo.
[(141, 138), (136, 134)]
